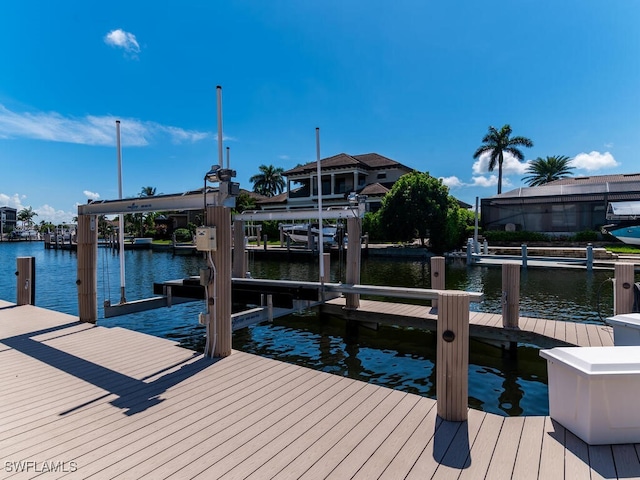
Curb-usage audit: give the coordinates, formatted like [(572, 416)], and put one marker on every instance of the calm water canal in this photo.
[(394, 357)]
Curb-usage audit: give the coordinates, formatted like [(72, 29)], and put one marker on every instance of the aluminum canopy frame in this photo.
[(180, 201), (193, 201)]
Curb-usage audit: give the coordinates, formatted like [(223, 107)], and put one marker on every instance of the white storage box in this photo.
[(595, 392), (626, 329)]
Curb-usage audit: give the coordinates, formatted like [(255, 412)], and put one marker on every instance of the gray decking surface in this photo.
[(113, 403)]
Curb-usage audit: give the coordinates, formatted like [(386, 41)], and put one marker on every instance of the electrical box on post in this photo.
[(206, 239)]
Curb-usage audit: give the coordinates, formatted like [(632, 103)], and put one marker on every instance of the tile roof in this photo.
[(374, 189), (597, 179), (367, 161)]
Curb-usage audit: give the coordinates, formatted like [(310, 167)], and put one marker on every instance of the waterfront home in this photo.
[(368, 174), (561, 207)]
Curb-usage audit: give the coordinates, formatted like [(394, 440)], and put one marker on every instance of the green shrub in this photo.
[(183, 235), (586, 236)]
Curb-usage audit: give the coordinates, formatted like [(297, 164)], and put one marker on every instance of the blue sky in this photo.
[(417, 81)]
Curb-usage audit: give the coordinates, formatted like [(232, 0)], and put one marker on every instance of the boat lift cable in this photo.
[(106, 285)]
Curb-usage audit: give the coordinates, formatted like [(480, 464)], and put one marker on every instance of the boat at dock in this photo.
[(629, 235), (299, 233), (626, 216)]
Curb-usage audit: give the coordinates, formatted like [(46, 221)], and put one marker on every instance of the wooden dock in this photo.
[(83, 401), (537, 331)]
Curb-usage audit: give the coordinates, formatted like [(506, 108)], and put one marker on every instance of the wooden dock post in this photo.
[(239, 258), (219, 301), (87, 280), (589, 257), (452, 364), (265, 242), (326, 258), (26, 280), (354, 230), (437, 276), (524, 256), (510, 295), (623, 288)]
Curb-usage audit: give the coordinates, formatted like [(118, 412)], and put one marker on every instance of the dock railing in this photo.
[(525, 256)]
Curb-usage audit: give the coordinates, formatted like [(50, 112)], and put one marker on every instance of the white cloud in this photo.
[(13, 201), (45, 213), (91, 195), (50, 214), (490, 181), (452, 182), (89, 130), (594, 161), (510, 165), (608, 145), (125, 40)]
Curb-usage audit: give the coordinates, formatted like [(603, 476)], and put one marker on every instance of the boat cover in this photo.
[(623, 210)]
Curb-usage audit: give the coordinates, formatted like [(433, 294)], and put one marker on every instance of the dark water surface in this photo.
[(393, 357)]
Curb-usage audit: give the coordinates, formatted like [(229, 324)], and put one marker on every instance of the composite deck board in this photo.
[(553, 451), (527, 463), (562, 332), (482, 449), (127, 405)]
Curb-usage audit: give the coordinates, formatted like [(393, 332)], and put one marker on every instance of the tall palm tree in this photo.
[(145, 192), (26, 216), (498, 142), (545, 170), (269, 181)]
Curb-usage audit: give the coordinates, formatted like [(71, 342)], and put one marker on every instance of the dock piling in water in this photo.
[(510, 295), (438, 282)]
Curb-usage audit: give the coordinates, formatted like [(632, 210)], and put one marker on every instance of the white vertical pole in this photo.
[(219, 93), (121, 216), (320, 237)]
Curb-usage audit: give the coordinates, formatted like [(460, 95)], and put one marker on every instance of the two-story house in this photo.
[(369, 174)]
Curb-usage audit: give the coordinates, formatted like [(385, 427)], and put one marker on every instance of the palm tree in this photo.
[(148, 191), (142, 218), (26, 216), (498, 142), (545, 170), (269, 181)]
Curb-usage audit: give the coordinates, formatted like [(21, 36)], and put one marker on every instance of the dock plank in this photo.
[(576, 458), (483, 448), (528, 456), (552, 454), (626, 461), (504, 455), (601, 462)]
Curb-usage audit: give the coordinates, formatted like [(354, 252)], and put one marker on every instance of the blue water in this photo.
[(393, 357)]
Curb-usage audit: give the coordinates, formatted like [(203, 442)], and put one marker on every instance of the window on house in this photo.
[(382, 176)]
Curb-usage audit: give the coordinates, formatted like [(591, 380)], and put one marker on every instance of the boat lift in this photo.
[(193, 200)]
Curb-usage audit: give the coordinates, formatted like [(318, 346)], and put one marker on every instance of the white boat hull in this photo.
[(628, 235)]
